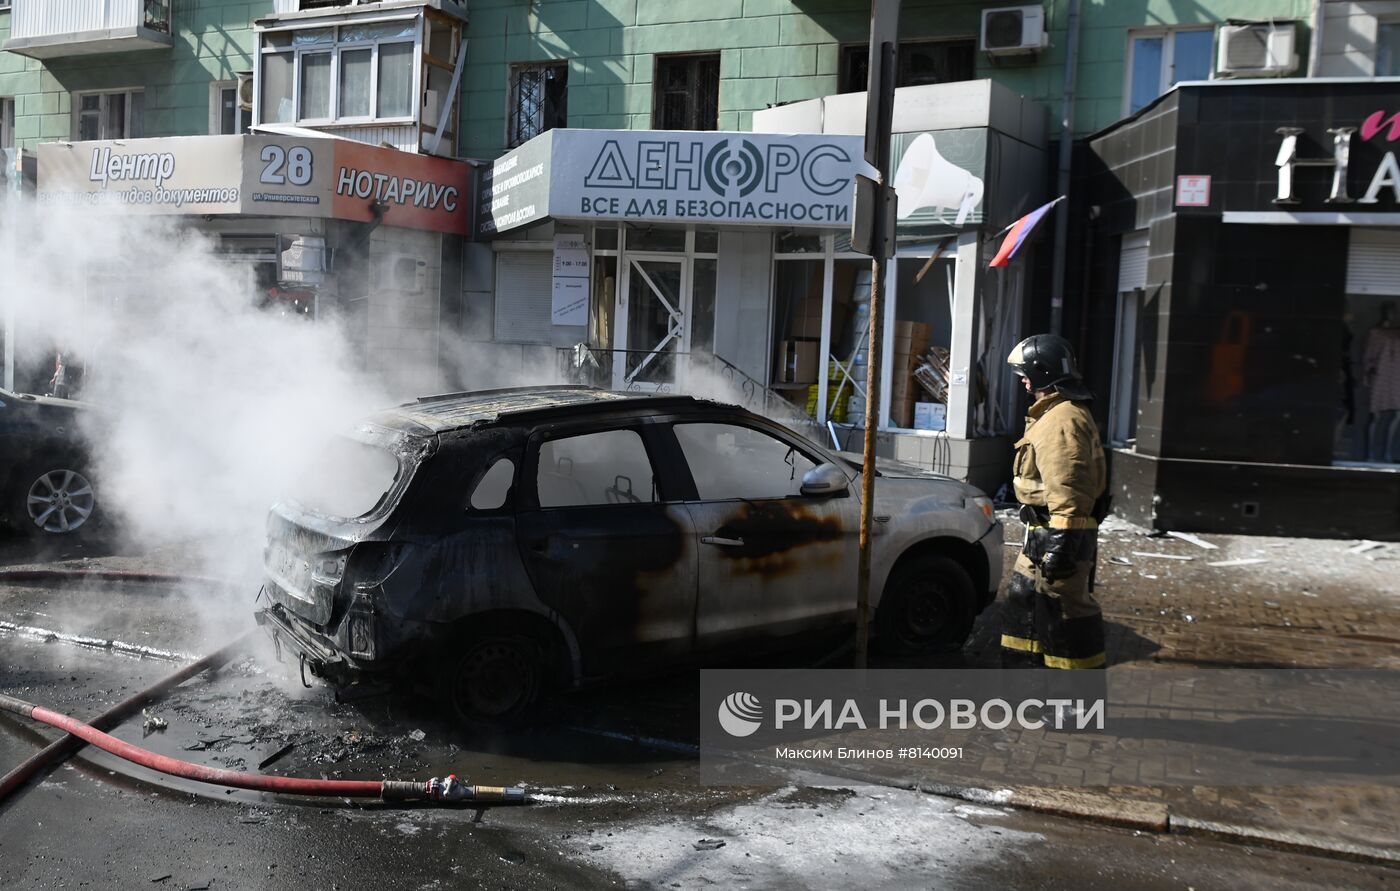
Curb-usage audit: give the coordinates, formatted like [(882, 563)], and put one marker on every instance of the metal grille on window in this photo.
[(687, 93), (541, 96)]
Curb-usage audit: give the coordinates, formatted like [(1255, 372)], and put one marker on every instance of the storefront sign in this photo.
[(258, 175), (1386, 176), (676, 177), (199, 175), (940, 177), (571, 266)]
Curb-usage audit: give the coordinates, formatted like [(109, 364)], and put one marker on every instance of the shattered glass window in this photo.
[(729, 462), (347, 480), (609, 467)]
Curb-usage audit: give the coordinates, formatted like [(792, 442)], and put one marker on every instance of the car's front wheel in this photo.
[(54, 497), (493, 679), (927, 607)]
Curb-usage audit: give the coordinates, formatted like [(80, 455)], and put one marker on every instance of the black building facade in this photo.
[(1246, 271)]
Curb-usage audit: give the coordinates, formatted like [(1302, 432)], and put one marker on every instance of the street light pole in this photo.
[(873, 233)]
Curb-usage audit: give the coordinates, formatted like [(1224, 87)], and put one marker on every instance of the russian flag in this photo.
[(1019, 232)]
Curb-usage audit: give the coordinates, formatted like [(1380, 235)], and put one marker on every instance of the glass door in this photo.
[(653, 323)]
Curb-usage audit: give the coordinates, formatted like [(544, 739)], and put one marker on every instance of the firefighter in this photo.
[(1050, 617)]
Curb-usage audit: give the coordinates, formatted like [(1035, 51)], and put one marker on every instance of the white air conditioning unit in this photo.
[(245, 90), (1013, 30), (1259, 50)]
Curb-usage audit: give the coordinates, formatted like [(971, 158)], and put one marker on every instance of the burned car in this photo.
[(511, 540), (45, 470)]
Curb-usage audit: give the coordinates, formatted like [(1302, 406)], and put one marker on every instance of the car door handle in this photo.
[(722, 542)]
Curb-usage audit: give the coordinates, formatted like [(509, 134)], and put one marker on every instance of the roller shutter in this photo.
[(524, 280)]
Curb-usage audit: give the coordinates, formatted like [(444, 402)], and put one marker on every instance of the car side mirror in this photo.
[(824, 480)]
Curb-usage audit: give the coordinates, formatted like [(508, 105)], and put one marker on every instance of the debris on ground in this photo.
[(709, 844), (152, 723), (1195, 540), (262, 765), (417, 735), (1243, 561), (1364, 546), (1120, 561), (1162, 556)]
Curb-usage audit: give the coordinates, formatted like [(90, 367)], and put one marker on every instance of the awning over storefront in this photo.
[(257, 175), (648, 176)]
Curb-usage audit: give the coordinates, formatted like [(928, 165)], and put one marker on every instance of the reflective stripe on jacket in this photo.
[(1060, 463)]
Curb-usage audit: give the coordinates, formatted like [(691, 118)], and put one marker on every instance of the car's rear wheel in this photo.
[(54, 497), (495, 679), (927, 607)]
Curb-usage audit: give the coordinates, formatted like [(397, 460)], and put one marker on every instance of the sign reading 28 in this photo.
[(286, 165)]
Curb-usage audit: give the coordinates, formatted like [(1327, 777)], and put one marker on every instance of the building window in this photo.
[(7, 122), (686, 92), (539, 101), (919, 62), (109, 115), (1388, 49), (226, 117), (1158, 60), (354, 72)]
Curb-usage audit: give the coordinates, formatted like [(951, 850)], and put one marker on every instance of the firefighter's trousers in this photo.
[(1057, 623)]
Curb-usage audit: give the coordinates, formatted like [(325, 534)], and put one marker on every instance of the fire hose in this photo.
[(449, 790)]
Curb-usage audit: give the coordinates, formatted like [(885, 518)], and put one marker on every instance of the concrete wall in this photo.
[(213, 40), (1349, 36), (779, 51)]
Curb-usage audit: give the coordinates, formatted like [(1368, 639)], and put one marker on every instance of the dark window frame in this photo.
[(850, 52), (552, 112), (697, 112)]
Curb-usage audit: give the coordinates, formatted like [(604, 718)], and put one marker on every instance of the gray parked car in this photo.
[(504, 541)]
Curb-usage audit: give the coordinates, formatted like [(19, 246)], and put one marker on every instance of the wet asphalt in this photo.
[(610, 811)]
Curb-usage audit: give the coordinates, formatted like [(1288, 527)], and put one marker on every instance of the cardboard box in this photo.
[(916, 331), (796, 362), (930, 416), (807, 326)]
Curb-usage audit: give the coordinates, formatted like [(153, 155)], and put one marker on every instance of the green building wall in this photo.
[(776, 51), (213, 40)]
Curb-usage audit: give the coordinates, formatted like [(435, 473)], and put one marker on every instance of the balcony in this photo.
[(43, 29)]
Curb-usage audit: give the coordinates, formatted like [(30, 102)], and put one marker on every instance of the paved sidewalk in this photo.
[(1313, 603)]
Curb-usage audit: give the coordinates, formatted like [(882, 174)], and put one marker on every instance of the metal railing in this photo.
[(701, 374), (30, 19)]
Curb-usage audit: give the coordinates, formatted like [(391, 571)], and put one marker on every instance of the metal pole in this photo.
[(1057, 292), (879, 120), (9, 248)]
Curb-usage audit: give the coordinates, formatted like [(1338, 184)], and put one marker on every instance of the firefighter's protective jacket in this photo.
[(1060, 463)]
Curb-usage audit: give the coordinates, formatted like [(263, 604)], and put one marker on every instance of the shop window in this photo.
[(7, 122), (539, 101), (920, 62), (1158, 60), (353, 72), (108, 115), (685, 92), (1388, 49)]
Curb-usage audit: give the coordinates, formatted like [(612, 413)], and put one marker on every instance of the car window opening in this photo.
[(608, 467), (731, 462), (493, 489), (349, 479)]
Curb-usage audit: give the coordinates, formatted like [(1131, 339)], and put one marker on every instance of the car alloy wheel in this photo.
[(60, 501)]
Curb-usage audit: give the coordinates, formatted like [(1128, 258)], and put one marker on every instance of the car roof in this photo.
[(453, 411)]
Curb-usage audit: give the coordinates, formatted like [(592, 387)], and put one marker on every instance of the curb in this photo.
[(107, 575), (1285, 841)]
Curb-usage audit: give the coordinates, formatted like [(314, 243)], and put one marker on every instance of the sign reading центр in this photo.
[(674, 176), (266, 175)]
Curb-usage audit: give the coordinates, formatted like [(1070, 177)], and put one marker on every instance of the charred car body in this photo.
[(45, 474), (511, 539)]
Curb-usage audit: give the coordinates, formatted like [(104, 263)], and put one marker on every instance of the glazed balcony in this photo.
[(43, 29)]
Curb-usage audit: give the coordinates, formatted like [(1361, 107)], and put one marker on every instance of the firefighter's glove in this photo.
[(1061, 549)]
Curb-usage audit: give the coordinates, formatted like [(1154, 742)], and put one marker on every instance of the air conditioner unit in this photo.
[(1013, 30), (1258, 50), (245, 90)]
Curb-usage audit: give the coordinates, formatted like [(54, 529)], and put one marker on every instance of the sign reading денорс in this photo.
[(266, 175), (673, 176)]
